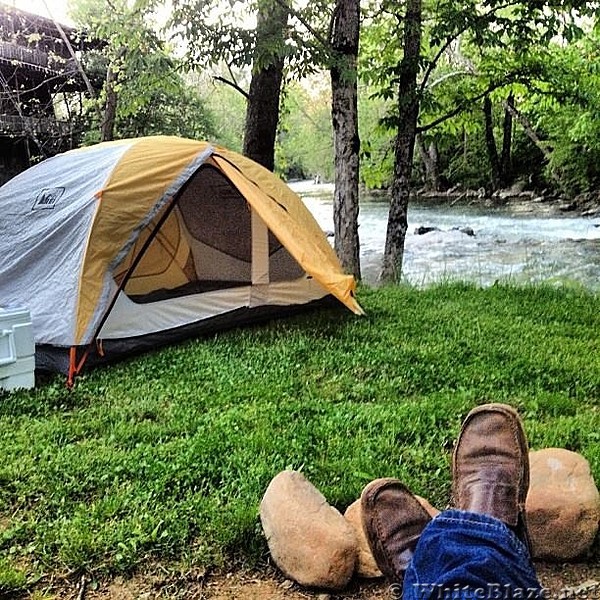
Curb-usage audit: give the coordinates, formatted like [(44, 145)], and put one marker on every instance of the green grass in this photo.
[(166, 457)]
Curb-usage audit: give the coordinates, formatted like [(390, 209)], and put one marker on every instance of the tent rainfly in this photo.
[(127, 245)]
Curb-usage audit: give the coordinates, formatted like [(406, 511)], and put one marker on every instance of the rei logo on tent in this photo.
[(47, 198)]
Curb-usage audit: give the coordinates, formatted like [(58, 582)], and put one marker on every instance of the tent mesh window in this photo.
[(204, 245)]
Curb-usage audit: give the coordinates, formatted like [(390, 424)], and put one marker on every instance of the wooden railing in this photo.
[(35, 58), (14, 124)]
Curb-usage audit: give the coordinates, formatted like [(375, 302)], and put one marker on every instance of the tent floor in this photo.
[(56, 359), (187, 289)]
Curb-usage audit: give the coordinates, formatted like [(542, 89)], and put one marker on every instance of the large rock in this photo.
[(365, 564), (563, 504), (309, 540), (423, 229)]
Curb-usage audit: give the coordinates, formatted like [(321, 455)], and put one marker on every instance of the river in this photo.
[(519, 248)]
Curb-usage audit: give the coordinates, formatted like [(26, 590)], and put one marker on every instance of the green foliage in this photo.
[(166, 457), (229, 109), (377, 142), (11, 577), (472, 48), (565, 109), (217, 33), (304, 144), (213, 36), (153, 96)]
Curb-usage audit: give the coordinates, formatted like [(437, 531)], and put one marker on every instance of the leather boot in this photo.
[(490, 471), (393, 520)]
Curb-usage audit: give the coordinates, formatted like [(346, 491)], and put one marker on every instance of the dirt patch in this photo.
[(578, 581), (571, 580)]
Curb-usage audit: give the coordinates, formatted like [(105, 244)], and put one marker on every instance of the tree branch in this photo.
[(332, 23), (535, 138), (449, 76), (325, 43), (461, 107), (231, 75), (74, 56), (234, 85), (531, 133), (433, 64)]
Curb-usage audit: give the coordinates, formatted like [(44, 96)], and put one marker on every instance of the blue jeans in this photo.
[(470, 556)]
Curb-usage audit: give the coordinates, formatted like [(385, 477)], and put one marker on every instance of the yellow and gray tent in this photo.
[(126, 245)]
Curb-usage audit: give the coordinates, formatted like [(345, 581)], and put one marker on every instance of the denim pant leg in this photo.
[(464, 555)]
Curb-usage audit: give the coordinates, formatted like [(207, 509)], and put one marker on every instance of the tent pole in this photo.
[(141, 253), (134, 264), (74, 367)]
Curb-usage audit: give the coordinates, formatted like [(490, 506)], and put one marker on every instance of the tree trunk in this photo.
[(507, 127), (262, 112), (107, 127), (408, 113), (430, 158), (490, 143), (344, 114), (535, 138)]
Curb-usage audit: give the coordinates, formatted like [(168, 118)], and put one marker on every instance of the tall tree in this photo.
[(344, 114), (109, 114), (262, 111), (408, 114), (507, 138), (560, 115), (500, 164), (217, 34), (490, 142)]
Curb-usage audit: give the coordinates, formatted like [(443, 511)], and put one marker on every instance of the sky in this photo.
[(58, 9), (46, 8)]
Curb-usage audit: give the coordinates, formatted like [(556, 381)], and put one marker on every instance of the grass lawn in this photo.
[(166, 457)]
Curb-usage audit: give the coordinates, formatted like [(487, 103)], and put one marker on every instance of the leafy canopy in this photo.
[(153, 95)]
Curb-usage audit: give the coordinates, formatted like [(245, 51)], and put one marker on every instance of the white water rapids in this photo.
[(520, 248)]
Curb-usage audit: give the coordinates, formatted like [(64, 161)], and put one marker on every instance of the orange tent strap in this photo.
[(82, 360), (74, 366)]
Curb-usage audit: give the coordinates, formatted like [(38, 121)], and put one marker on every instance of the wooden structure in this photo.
[(40, 83)]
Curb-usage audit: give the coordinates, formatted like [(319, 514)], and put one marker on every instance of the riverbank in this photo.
[(515, 199), (518, 202), (162, 460)]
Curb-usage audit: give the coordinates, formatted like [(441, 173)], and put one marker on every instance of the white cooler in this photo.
[(17, 349)]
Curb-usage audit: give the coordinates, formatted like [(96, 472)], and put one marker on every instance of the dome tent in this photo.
[(129, 244)]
